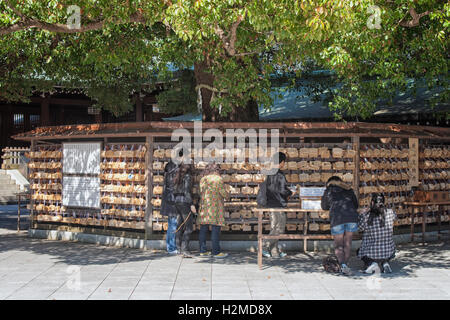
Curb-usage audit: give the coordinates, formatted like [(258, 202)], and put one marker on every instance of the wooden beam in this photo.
[(168, 134), (64, 101)]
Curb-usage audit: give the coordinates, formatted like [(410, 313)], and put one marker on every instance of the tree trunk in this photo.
[(248, 113), (203, 77)]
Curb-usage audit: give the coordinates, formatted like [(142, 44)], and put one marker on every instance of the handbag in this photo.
[(331, 264), (261, 197)]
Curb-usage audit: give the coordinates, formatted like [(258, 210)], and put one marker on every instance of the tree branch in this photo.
[(415, 18), (246, 54), (229, 42), (62, 28), (205, 86), (232, 37)]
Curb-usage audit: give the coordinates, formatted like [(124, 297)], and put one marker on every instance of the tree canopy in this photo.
[(235, 47)]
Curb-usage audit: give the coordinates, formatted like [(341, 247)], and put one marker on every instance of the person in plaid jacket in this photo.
[(377, 246)]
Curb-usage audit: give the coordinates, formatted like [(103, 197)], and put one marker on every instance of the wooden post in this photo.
[(149, 183), (9, 125), (305, 232), (139, 114), (61, 115), (45, 111), (356, 161), (423, 226), (26, 122), (415, 210), (98, 117), (260, 213), (413, 162), (32, 217), (439, 221), (18, 214), (105, 142)]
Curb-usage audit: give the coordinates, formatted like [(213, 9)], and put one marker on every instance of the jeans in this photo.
[(215, 238), (277, 227), (170, 236)]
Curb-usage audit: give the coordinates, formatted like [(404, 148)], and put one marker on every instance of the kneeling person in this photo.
[(377, 246)]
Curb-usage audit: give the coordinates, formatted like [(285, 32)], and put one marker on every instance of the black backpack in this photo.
[(261, 197), (331, 264)]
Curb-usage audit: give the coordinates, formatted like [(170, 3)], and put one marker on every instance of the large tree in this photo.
[(234, 46)]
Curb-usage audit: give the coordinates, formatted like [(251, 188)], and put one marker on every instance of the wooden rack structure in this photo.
[(370, 157)]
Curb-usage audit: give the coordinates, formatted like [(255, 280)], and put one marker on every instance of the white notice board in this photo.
[(81, 192), (310, 197), (81, 157), (306, 192)]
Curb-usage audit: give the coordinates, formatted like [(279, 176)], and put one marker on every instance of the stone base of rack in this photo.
[(227, 245)]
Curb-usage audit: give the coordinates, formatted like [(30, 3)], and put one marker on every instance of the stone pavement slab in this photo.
[(58, 270)]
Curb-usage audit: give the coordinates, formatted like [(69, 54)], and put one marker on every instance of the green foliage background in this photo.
[(285, 38)]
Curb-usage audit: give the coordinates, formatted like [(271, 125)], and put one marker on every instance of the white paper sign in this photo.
[(81, 192), (81, 158), (311, 192), (311, 204)]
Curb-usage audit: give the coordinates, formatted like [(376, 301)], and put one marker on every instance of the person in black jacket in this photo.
[(184, 207), (177, 203), (342, 203), (168, 205), (277, 194)]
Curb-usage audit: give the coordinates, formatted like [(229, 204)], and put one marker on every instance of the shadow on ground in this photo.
[(410, 257)]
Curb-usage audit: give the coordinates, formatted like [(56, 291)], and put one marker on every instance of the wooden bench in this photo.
[(305, 236)]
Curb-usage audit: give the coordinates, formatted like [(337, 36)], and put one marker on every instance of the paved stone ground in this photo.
[(56, 270)]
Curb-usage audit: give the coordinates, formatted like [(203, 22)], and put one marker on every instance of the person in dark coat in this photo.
[(184, 207), (277, 194), (168, 205), (342, 203)]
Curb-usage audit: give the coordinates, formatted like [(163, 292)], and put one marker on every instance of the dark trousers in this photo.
[(368, 261), (184, 233), (215, 238)]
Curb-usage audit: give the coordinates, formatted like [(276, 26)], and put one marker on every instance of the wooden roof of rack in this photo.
[(304, 129)]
